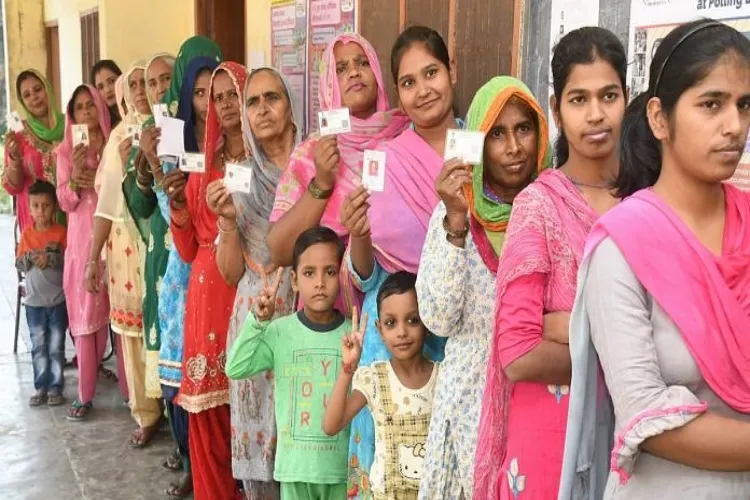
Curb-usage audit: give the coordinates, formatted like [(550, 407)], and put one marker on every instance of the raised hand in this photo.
[(354, 213), (82, 175), (265, 303), (174, 184), (351, 344), (326, 157), (12, 146), (449, 186), (125, 148), (150, 137), (219, 200)]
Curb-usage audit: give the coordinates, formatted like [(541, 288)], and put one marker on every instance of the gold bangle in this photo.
[(459, 235), (317, 193)]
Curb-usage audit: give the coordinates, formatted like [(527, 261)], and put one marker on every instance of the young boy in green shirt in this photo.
[(304, 352)]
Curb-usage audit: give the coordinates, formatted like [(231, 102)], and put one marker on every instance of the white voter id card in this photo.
[(134, 132), (334, 121), (160, 111), (238, 178), (80, 134), (15, 123), (373, 170), (194, 163), (464, 145)]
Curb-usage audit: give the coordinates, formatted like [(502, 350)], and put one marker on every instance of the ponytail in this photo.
[(562, 149), (640, 153)]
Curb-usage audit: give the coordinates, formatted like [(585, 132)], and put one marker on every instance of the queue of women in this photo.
[(588, 314)]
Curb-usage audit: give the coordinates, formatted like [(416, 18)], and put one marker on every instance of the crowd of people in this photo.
[(536, 324)]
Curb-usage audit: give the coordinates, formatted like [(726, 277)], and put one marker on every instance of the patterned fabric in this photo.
[(39, 162), (456, 292), (87, 312), (403, 416), (252, 399), (362, 440), (543, 248), (209, 300)]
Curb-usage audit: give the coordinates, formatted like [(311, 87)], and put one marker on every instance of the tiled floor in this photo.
[(45, 457)]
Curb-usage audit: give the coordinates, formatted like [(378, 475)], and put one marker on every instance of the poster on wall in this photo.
[(327, 18), (289, 47), (652, 20), (568, 15)]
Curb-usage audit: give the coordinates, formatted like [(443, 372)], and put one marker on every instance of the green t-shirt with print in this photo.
[(306, 359)]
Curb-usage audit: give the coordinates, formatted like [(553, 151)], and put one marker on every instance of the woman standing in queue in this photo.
[(204, 390), (525, 405)]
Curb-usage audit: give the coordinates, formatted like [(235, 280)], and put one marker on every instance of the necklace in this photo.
[(227, 158), (603, 185)]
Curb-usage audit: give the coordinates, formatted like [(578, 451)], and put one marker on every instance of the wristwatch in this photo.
[(317, 193)]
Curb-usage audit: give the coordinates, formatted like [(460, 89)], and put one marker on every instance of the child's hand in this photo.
[(265, 303), (40, 260), (351, 344)]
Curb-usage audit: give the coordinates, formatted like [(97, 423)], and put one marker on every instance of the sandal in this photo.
[(38, 399), (55, 399), (173, 463), (182, 489), (108, 374), (141, 437), (78, 410)]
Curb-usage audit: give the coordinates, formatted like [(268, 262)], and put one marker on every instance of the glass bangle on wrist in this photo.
[(455, 234), (348, 368), (317, 193)]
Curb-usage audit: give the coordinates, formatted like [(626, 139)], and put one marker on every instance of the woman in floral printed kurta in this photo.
[(456, 279)]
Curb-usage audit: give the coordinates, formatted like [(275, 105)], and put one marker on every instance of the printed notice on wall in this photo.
[(568, 15), (652, 20), (327, 18), (289, 46)]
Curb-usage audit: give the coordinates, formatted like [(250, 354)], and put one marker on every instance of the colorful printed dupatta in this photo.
[(549, 224), (366, 134), (489, 219)]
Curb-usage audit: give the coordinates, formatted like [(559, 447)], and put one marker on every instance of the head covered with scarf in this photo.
[(66, 146), (185, 111), (254, 209), (489, 219), (366, 133), (161, 56), (120, 90), (56, 129)]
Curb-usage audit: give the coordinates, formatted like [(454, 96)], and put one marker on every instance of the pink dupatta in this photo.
[(546, 234), (365, 134), (707, 297), (400, 215)]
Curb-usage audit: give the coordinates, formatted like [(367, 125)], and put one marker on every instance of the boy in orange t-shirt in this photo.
[(40, 255)]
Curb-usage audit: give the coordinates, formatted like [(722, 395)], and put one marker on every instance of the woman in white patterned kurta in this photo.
[(456, 279)]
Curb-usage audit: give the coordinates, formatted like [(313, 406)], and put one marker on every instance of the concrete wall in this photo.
[(136, 29), (25, 43), (258, 29)]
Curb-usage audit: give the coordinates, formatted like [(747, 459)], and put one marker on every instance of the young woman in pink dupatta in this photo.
[(76, 171), (525, 406), (324, 170), (664, 292), (388, 229)]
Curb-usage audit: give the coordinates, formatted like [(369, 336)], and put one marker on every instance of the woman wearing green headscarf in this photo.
[(456, 278), (142, 192), (29, 153)]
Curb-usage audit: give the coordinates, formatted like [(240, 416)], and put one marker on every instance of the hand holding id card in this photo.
[(238, 178), (373, 170), (134, 132), (194, 163), (80, 134), (464, 145), (15, 123), (334, 121)]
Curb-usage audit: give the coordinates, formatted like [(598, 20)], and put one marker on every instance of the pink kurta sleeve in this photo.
[(67, 197), (185, 238), (519, 318)]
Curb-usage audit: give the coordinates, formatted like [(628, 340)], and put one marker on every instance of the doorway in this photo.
[(224, 22)]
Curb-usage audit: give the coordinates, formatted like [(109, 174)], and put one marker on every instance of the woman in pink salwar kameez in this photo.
[(76, 170), (525, 404)]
